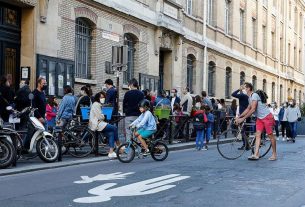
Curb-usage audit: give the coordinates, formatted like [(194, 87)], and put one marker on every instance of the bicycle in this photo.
[(127, 151), (230, 142)]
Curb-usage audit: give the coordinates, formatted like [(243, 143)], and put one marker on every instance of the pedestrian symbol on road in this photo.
[(106, 191)]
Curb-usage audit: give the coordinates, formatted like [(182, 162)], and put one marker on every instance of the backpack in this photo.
[(262, 95), (199, 120)]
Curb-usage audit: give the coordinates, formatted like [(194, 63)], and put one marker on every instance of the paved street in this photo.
[(186, 178)]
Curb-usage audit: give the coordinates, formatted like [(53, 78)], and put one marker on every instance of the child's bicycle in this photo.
[(127, 151)]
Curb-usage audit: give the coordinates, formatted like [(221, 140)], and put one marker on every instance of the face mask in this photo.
[(290, 103), (102, 100), (44, 87)]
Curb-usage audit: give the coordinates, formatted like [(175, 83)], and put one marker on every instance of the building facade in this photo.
[(212, 45)]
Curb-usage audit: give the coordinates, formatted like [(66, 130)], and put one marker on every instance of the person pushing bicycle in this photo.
[(145, 124), (264, 121)]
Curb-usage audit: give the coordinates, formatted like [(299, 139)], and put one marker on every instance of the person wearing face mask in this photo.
[(293, 114), (283, 121), (275, 112), (186, 102), (83, 101), (6, 97), (39, 100), (131, 101), (174, 98), (103, 97)]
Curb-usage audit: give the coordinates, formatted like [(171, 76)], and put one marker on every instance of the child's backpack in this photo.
[(199, 120)]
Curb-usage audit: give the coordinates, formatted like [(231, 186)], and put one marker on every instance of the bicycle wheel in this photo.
[(229, 144), (126, 152), (264, 147), (159, 151), (79, 141)]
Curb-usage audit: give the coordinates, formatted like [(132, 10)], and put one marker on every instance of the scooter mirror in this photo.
[(31, 96), (9, 108)]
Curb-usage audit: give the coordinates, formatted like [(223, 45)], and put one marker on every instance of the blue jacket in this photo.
[(145, 121), (243, 100), (281, 114), (162, 101), (66, 107)]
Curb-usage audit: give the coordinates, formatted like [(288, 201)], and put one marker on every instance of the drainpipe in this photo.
[(205, 56)]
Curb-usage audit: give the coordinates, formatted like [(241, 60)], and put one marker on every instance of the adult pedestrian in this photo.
[(22, 96), (83, 101), (186, 102), (6, 98), (162, 100), (275, 112), (66, 107), (174, 98), (111, 96), (39, 100), (283, 121), (205, 100), (264, 121), (131, 101), (198, 102), (293, 115)]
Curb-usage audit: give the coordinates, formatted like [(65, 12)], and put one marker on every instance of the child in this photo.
[(208, 129), (145, 123), (51, 111), (199, 122), (177, 112)]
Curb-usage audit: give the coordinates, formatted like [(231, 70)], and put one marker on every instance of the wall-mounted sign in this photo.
[(110, 36), (25, 72), (170, 11)]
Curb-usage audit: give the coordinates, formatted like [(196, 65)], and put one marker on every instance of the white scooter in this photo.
[(46, 147)]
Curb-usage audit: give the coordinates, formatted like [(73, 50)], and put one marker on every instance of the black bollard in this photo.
[(96, 144)]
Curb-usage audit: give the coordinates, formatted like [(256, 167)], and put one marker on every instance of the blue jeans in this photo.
[(199, 138), (111, 132), (208, 134), (293, 128)]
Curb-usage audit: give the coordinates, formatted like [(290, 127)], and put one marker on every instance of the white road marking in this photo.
[(103, 193), (103, 177)]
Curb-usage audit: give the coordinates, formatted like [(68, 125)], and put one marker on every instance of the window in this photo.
[(148, 82), (265, 85), (274, 3), (211, 78), (189, 7), (129, 40), (242, 79), (281, 93), (58, 73), (254, 82), (273, 92), (82, 48), (211, 20), (300, 98), (300, 59), (288, 92), (228, 82), (228, 17), (295, 57), (296, 19), (242, 25), (290, 10), (301, 25), (264, 40), (281, 49), (254, 33), (295, 94), (273, 44), (190, 71)]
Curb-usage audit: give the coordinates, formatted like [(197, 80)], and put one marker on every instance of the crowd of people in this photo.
[(209, 114)]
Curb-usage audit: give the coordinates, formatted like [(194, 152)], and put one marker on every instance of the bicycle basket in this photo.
[(162, 113)]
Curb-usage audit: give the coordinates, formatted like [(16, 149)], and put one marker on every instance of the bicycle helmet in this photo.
[(145, 104)]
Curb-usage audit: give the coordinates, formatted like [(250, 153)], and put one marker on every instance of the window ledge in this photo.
[(82, 80)]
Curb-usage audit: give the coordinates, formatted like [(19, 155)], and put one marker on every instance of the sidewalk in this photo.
[(37, 164)]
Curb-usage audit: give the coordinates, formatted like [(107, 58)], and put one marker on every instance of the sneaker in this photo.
[(112, 155), (146, 152), (284, 139), (205, 149)]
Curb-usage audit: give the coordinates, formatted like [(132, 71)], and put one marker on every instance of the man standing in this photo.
[(22, 96), (243, 105), (187, 101), (205, 100), (174, 98), (264, 121), (131, 101), (111, 96), (39, 100)]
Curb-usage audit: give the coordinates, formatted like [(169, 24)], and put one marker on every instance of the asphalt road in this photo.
[(186, 178)]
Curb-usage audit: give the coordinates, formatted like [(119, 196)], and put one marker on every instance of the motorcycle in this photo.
[(46, 147), (7, 149)]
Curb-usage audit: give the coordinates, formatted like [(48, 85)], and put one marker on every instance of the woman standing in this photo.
[(275, 112), (293, 114), (283, 121), (51, 111), (66, 107)]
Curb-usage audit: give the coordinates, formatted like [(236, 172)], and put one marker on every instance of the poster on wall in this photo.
[(25, 72)]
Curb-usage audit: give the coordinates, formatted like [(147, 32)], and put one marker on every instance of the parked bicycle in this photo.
[(127, 151), (230, 142)]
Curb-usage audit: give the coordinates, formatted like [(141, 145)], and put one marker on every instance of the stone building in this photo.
[(211, 45)]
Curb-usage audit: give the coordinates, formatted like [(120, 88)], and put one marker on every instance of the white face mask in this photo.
[(102, 100), (291, 103)]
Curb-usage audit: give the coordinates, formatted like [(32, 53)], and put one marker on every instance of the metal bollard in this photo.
[(96, 144)]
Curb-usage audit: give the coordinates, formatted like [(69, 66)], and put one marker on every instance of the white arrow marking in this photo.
[(151, 186), (104, 177)]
